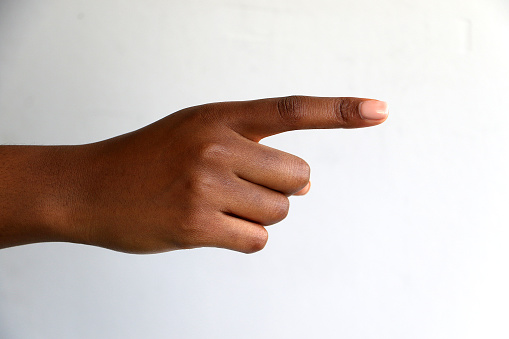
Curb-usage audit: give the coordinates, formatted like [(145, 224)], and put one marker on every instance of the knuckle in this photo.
[(212, 151), (291, 109), (301, 172), (346, 110), (257, 241), (280, 207), (199, 180)]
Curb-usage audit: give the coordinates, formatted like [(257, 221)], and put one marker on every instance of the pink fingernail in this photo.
[(373, 110)]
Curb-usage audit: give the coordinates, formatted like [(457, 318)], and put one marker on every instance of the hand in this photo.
[(197, 177)]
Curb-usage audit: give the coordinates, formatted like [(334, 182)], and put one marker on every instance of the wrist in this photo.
[(38, 191)]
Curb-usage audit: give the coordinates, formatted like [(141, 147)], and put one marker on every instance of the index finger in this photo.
[(258, 119)]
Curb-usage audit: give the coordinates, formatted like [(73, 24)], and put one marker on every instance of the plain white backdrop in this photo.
[(404, 233)]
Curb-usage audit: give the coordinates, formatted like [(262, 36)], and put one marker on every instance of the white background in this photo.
[(405, 231)]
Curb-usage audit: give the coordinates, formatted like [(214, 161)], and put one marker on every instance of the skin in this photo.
[(195, 178)]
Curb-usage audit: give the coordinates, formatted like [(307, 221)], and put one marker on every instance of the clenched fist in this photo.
[(195, 178)]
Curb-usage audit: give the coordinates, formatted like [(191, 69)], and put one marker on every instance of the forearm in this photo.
[(35, 193)]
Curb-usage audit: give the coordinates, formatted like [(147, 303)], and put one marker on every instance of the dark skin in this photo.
[(195, 178)]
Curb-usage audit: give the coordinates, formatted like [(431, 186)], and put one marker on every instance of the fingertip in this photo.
[(304, 190), (257, 241), (374, 110)]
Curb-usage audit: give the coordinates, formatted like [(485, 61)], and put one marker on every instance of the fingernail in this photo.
[(373, 110), (304, 190)]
